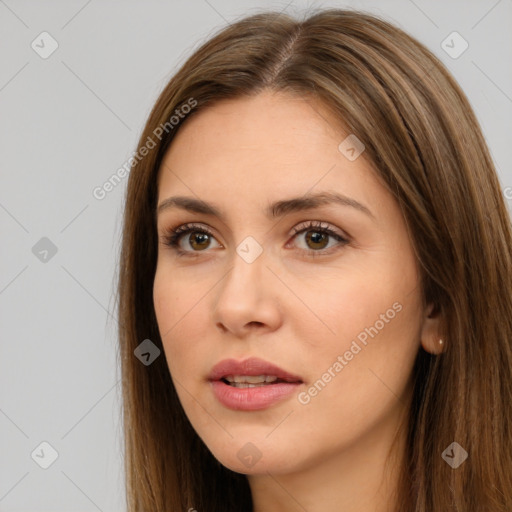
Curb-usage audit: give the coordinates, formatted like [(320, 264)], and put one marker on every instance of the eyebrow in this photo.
[(274, 210)]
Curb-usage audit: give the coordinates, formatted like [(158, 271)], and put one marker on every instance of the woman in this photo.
[(316, 241)]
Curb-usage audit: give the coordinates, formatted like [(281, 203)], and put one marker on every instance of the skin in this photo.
[(289, 308)]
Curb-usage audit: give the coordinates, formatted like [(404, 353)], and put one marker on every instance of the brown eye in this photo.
[(198, 238), (317, 238)]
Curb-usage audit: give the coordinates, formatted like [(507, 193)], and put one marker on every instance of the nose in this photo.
[(248, 298)]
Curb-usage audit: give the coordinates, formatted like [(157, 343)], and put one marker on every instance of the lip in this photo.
[(256, 398)]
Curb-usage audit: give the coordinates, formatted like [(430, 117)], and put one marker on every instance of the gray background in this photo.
[(68, 122)]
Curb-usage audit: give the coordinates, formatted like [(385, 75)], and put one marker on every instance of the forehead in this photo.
[(263, 122), (271, 134)]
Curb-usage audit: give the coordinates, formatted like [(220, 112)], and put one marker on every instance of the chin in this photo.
[(252, 456)]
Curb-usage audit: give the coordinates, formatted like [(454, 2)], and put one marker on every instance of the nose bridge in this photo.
[(242, 297), (248, 265), (247, 296)]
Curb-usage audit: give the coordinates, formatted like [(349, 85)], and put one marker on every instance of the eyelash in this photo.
[(172, 237)]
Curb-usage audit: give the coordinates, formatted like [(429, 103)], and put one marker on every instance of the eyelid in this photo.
[(318, 224), (182, 228), (172, 236)]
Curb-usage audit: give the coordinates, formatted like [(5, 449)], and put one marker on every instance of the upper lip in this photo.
[(252, 366)]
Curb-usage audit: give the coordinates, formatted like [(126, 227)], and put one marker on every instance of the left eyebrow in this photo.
[(274, 210)]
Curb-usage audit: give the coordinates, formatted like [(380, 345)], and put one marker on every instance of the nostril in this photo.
[(221, 327)]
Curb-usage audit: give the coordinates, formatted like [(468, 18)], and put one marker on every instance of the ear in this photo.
[(430, 332)]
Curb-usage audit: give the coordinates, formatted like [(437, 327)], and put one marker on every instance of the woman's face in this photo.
[(338, 312)]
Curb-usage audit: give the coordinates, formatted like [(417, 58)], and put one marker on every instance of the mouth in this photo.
[(253, 381), (252, 384), (250, 371)]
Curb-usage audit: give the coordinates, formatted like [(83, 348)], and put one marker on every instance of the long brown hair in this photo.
[(424, 141)]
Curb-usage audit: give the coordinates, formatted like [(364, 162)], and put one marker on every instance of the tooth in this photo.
[(251, 379), (256, 379)]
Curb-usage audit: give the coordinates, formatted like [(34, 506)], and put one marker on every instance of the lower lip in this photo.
[(252, 399)]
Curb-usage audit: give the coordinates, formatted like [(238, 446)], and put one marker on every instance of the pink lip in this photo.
[(251, 399)]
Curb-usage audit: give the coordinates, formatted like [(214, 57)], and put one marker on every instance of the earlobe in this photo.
[(431, 338)]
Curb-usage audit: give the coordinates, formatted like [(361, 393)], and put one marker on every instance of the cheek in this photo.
[(168, 310), (178, 310), (345, 399), (374, 319), (167, 303), (368, 296)]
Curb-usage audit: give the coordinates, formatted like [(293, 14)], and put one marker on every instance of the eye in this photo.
[(317, 238), (199, 238)]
